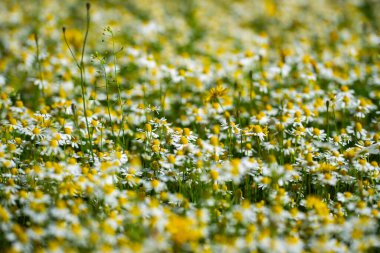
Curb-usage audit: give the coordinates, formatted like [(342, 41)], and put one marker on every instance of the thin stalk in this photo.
[(68, 46), (334, 118), (108, 100), (80, 65), (121, 130), (250, 78), (39, 64), (328, 118)]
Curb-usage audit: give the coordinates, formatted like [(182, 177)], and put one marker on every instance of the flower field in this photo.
[(190, 126)]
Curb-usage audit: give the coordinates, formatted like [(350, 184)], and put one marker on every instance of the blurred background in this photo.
[(196, 28)]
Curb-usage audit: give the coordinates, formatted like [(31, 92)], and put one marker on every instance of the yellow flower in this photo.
[(216, 93), (313, 202), (214, 174), (183, 229)]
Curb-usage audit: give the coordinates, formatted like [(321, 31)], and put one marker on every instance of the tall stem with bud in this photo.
[(80, 65)]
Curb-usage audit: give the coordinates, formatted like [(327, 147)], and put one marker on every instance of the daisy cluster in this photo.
[(190, 126)]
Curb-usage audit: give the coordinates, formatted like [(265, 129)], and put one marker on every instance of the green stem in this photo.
[(39, 65), (108, 100), (81, 68), (328, 118), (121, 130)]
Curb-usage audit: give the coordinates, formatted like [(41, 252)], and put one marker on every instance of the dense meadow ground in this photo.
[(190, 126)]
